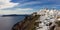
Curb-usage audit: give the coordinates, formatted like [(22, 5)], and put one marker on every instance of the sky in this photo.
[(26, 6)]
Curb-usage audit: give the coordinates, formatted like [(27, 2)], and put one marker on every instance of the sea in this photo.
[(7, 22)]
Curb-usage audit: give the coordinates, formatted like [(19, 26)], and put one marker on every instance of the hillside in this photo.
[(41, 20)]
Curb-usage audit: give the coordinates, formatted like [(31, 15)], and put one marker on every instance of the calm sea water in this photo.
[(7, 22)]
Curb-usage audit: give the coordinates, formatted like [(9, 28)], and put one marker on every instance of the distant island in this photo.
[(14, 15)]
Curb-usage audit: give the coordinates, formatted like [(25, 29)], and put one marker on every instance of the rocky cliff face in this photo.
[(27, 24), (42, 20)]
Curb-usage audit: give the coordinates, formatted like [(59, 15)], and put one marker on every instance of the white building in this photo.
[(46, 17)]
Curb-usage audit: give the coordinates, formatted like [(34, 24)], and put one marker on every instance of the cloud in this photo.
[(7, 4), (23, 9), (17, 11), (7, 7), (25, 6), (31, 3)]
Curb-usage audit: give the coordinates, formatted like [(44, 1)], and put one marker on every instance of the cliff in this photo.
[(41, 20), (27, 24)]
